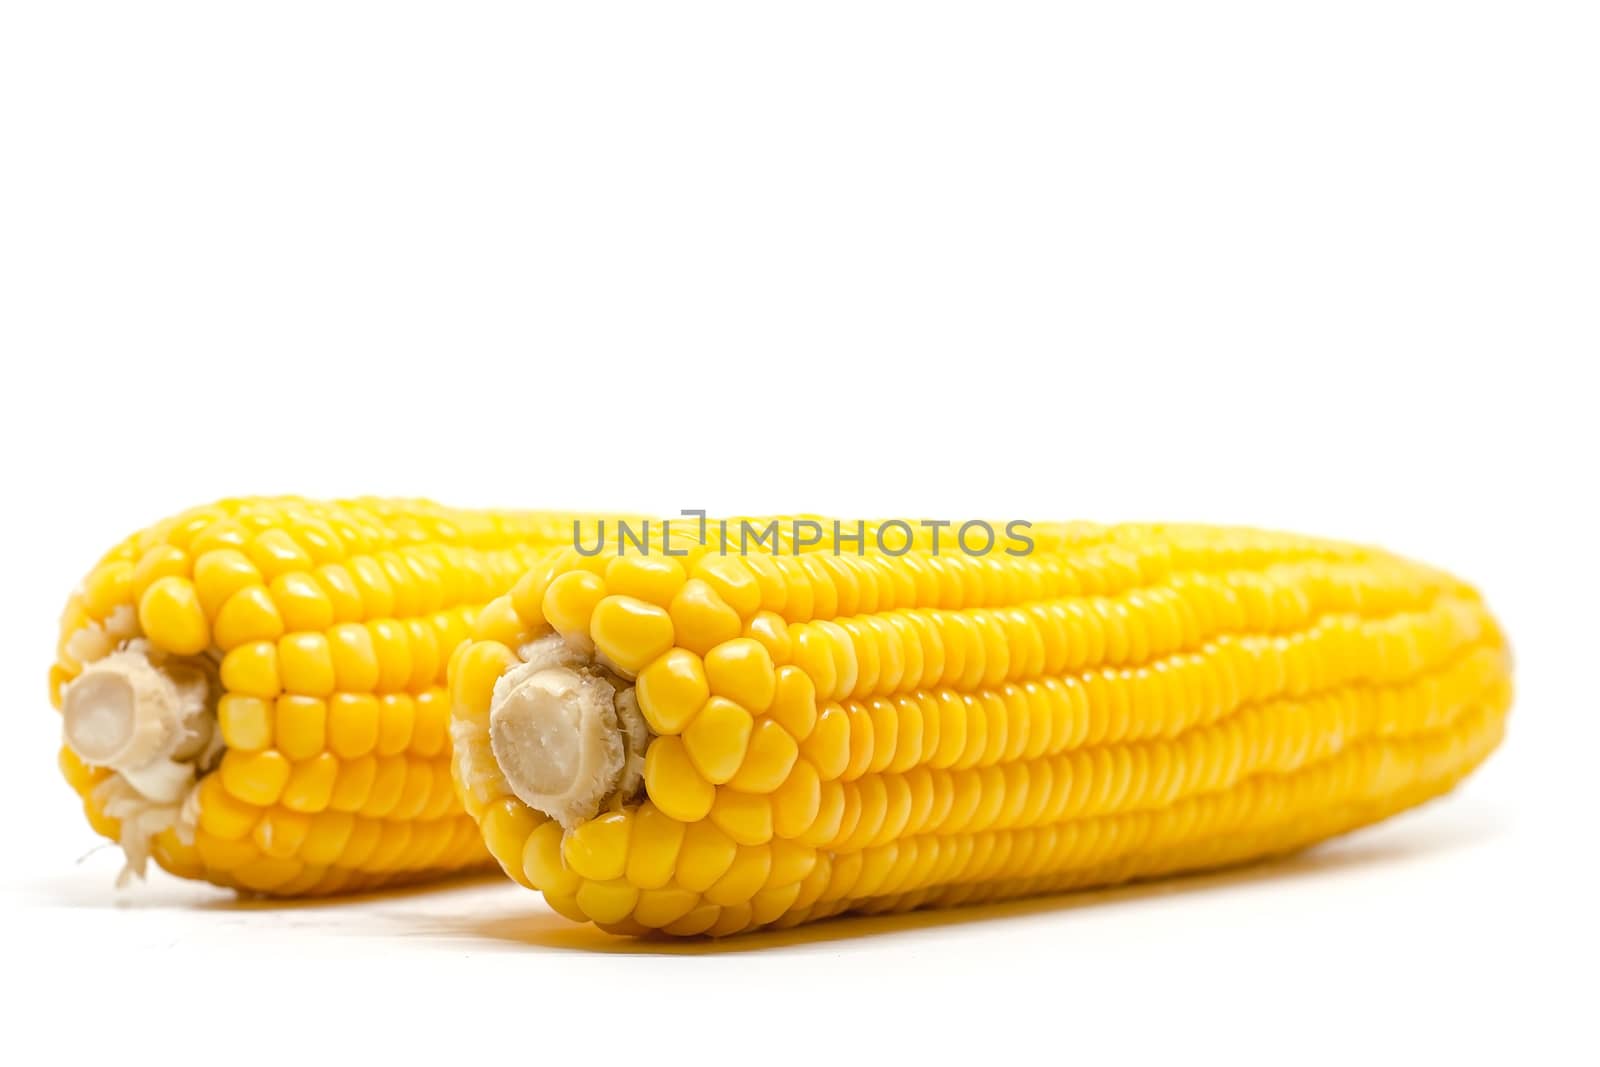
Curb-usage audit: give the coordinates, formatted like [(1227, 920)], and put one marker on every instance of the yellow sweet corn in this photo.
[(726, 740), (252, 691)]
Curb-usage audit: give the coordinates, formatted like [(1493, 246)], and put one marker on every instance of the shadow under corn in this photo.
[(535, 927)]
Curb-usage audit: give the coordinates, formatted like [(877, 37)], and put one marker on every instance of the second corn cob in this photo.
[(724, 741), (252, 691)]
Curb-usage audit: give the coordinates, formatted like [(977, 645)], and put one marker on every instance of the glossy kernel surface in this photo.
[(876, 733), (326, 627)]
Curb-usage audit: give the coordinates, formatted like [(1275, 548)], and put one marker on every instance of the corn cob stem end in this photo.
[(566, 733), (150, 720)]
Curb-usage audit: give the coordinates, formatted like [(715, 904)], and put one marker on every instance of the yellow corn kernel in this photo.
[(770, 582), (812, 652), (770, 905), (566, 905), (172, 618), (438, 843), (252, 670), (673, 783), (828, 747), (672, 690), (221, 814), (598, 850), (222, 855), (653, 853), (255, 777), (268, 874), (630, 633), (543, 864), (391, 642), (527, 596), (280, 833), (221, 573), (732, 581), (794, 702), (427, 658), (108, 586), (797, 801), (772, 632), (863, 743), (414, 796), (393, 841), (300, 725), (158, 562), (661, 906), (430, 724), (498, 621), (340, 588), (388, 785), (570, 600), (249, 615), (768, 759), (730, 921), (717, 739), (742, 671), (353, 785), (365, 835), (372, 586), (506, 826), (744, 878), (355, 658), (652, 579), (397, 717), (305, 664), (311, 783), (245, 722), (275, 552), (327, 836), (220, 534), (791, 863), (701, 620), (704, 856), (352, 725), (301, 602), (745, 817), (316, 536), (607, 902), (698, 921), (476, 670)]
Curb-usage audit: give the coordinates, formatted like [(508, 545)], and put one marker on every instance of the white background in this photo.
[(1329, 267)]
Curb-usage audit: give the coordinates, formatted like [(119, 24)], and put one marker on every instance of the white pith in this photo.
[(566, 732), (151, 719)]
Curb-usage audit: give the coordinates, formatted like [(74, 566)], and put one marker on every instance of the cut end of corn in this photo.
[(151, 720), (127, 713), (556, 731)]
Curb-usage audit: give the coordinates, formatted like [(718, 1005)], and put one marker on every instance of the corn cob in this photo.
[(251, 692), (731, 740)]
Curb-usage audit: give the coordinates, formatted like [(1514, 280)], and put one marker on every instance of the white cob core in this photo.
[(566, 734), (149, 719)]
